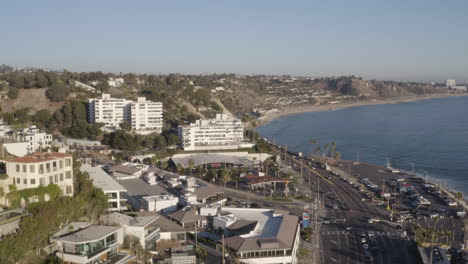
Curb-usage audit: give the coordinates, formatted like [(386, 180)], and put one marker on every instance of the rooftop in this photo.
[(138, 187), (91, 233), (124, 169), (101, 179), (122, 219), (40, 157), (211, 158), (274, 229)]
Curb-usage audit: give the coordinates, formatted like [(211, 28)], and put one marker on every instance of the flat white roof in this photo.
[(101, 179), (267, 224)]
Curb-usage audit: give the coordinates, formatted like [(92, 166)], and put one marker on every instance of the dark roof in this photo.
[(240, 224), (252, 179), (124, 169), (167, 225), (185, 216), (90, 233)]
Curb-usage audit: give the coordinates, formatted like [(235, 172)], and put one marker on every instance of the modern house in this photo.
[(41, 169), (35, 138), (84, 243), (221, 132), (108, 185)]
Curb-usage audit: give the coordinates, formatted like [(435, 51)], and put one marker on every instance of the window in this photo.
[(69, 190), (42, 181), (68, 175), (51, 179), (61, 176), (25, 181), (17, 168), (25, 168), (33, 181), (41, 169), (54, 165), (48, 167), (67, 162), (18, 180), (55, 178), (32, 168)]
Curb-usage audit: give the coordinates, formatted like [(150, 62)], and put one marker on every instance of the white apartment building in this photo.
[(109, 111), (115, 82), (221, 132), (450, 83), (35, 138), (41, 169), (146, 116)]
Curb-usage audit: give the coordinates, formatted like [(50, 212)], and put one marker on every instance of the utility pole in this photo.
[(196, 236), (412, 167), (223, 248), (358, 157)]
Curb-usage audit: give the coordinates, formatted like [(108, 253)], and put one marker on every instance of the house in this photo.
[(36, 138), (83, 243), (255, 182), (145, 228), (108, 185), (188, 218), (41, 169)]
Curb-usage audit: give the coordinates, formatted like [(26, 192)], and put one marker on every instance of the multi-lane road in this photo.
[(344, 231)]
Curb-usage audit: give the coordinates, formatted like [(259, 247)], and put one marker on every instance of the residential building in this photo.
[(35, 138), (109, 111), (145, 228), (146, 116), (41, 169), (84, 86), (160, 203), (221, 132), (108, 185), (450, 83), (189, 218), (115, 82), (259, 235), (127, 171), (84, 243)]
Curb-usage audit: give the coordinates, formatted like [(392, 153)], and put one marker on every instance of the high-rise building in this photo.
[(41, 169), (108, 111), (146, 116), (221, 132), (450, 83)]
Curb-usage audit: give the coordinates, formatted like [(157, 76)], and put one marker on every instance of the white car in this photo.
[(365, 246), (363, 240), (371, 233)]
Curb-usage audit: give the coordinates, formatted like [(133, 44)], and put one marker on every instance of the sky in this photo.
[(416, 40)]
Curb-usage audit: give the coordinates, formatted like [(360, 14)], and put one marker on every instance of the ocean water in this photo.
[(432, 134)]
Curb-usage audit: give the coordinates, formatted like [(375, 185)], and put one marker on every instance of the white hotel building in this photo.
[(41, 169), (221, 132), (144, 116)]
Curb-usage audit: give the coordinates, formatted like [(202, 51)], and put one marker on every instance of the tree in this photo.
[(191, 164), (160, 143), (172, 140), (132, 243), (126, 126), (201, 254), (225, 176), (41, 118), (13, 93), (58, 92)]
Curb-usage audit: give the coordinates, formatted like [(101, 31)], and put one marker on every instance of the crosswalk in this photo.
[(377, 233)]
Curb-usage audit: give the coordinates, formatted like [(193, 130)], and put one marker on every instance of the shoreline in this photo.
[(330, 107)]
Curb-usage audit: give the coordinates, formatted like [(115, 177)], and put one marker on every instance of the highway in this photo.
[(339, 245)]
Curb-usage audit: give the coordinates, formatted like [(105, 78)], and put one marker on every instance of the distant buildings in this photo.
[(221, 132), (35, 138), (144, 116), (451, 84), (115, 82), (41, 169)]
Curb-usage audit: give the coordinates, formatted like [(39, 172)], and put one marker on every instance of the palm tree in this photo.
[(191, 164), (325, 150), (332, 150), (225, 176)]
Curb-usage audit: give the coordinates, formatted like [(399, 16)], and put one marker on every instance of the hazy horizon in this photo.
[(416, 41)]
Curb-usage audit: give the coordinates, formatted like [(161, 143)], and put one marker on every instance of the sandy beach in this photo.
[(327, 107)]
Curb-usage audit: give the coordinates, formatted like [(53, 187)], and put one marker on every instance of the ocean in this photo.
[(432, 134)]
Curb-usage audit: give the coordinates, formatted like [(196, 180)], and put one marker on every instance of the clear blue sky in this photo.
[(381, 39)]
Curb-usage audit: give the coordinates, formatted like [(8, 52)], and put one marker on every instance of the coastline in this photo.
[(329, 107)]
